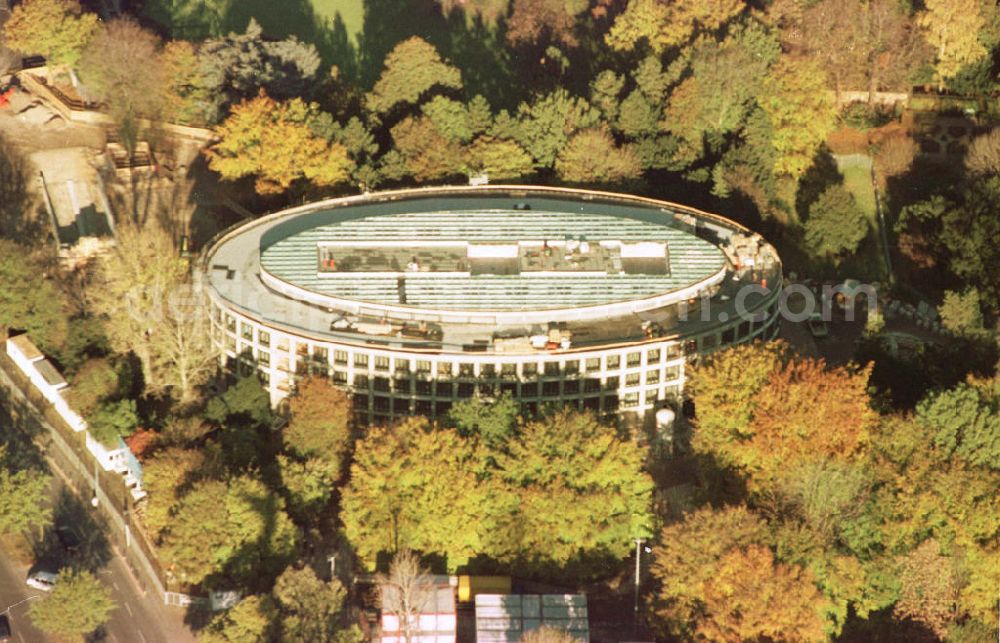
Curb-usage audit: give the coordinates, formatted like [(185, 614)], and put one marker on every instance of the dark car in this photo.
[(5, 633), (68, 539)]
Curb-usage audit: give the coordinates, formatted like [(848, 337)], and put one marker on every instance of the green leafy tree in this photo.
[(591, 156), (310, 483), (237, 530), (795, 98), (452, 119), (726, 77), (238, 66), (244, 403), (312, 610), (412, 68), (963, 424), (662, 25), (29, 300), (111, 420), (546, 125), (96, 381), (18, 207), (493, 422), (968, 232), (498, 159), (962, 312), (185, 97), (24, 495), (274, 141), (77, 606), (56, 29), (166, 476), (836, 225), (252, 619), (414, 487), (580, 488)]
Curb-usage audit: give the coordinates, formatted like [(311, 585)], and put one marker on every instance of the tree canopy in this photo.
[(56, 29), (78, 605), (30, 300)]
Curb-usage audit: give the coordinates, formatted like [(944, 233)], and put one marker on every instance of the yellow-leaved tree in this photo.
[(801, 109), (274, 141), (952, 28)]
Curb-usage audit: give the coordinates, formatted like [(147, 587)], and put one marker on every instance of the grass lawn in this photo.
[(867, 262), (352, 12), (858, 180)]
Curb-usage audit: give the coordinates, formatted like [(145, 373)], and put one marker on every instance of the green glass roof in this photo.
[(294, 259)]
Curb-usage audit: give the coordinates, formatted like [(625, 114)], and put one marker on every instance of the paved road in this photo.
[(12, 591), (139, 617)]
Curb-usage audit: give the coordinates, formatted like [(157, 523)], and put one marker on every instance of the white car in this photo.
[(44, 581)]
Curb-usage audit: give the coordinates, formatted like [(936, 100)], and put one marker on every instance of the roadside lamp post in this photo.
[(10, 607), (638, 571)]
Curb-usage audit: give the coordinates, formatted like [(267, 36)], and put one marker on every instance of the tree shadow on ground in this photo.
[(20, 212), (477, 48), (75, 540)]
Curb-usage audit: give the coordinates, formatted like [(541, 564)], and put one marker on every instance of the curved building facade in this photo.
[(415, 299)]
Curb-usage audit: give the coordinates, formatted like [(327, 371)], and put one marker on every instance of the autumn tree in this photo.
[(237, 530), (320, 423), (184, 92), (801, 111), (983, 156), (894, 157), (543, 21), (24, 495), (872, 44), (29, 300), (591, 156), (274, 142), (422, 151), (77, 606), (121, 67), (751, 597), (662, 25), (836, 225), (788, 413), (929, 587), (56, 29), (412, 68), (952, 28), (311, 610), (687, 558)]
